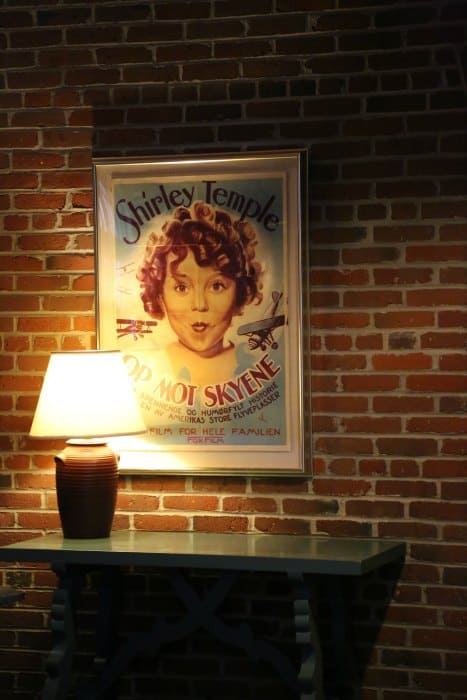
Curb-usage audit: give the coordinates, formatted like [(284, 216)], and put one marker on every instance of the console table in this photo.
[(177, 553)]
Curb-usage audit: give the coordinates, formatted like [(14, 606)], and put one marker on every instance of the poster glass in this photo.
[(199, 285)]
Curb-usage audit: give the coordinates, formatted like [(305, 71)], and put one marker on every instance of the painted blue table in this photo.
[(178, 553)]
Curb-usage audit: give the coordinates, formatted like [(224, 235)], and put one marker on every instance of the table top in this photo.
[(252, 552)]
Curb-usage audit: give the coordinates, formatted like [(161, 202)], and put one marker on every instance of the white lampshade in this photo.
[(87, 394)]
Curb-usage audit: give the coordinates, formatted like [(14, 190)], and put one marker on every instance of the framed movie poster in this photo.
[(199, 285)]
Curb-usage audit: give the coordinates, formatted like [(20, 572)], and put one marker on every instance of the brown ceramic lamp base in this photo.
[(86, 481)]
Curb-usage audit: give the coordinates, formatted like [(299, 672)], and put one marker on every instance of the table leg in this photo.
[(60, 660), (310, 676), (110, 598), (346, 683), (109, 591)]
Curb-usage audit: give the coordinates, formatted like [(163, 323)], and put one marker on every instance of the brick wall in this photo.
[(377, 92)]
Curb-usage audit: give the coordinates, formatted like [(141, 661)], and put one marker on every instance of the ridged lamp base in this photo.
[(86, 481)]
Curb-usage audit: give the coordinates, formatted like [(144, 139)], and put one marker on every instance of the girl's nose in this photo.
[(199, 301)]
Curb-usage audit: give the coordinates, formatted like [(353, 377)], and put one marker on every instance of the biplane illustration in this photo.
[(133, 327), (261, 333)]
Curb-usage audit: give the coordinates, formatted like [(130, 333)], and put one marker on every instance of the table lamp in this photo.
[(86, 398)]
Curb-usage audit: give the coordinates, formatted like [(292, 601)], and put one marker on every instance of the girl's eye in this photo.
[(181, 288), (218, 286)]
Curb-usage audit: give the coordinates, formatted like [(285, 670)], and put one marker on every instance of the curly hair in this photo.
[(215, 239)]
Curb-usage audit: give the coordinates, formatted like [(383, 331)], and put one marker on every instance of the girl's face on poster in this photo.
[(199, 303)]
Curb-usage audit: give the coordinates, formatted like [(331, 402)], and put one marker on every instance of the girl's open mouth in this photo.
[(199, 327)]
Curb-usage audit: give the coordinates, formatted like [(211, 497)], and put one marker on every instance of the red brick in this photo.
[(370, 383), (32, 362), (437, 511), (342, 467), (412, 615), (279, 485), (343, 528), (331, 362), (157, 484), (372, 298), (455, 533), (6, 283), (341, 487), (454, 446), (437, 340), (369, 342), (323, 383), (338, 342), (219, 484), (66, 180), (19, 181), (246, 504), (42, 283), (325, 424), (455, 576), (220, 523), (404, 362), (301, 506), (137, 502), (6, 363), (324, 299), (456, 662), (17, 343), (407, 446), (40, 201), (453, 231), (454, 491), (21, 263), (445, 468), (452, 318), (161, 523), (374, 509), (68, 303), (437, 424), (73, 220), (406, 489), (372, 467), (403, 404), (435, 253), (84, 283), (64, 138), (339, 320), (404, 319), (453, 363), (453, 275), (70, 262), (20, 501), (188, 502), (44, 221), (407, 530), (19, 138), (14, 303), (367, 424), (43, 242), (447, 383), (74, 343), (51, 324), (436, 297), (15, 222), (334, 277), (282, 526)]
